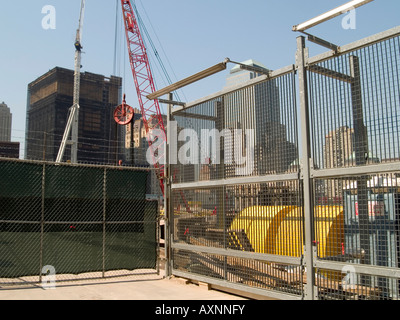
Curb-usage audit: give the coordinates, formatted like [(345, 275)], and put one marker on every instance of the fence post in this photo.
[(301, 60), (104, 221), (361, 156), (42, 221), (168, 210)]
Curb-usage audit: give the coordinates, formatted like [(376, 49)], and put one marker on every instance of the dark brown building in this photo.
[(9, 149), (49, 100)]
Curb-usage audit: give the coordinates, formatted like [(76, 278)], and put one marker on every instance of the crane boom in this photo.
[(144, 83)]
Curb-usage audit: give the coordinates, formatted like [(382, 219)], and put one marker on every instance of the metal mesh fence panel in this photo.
[(355, 125), (345, 179), (79, 220), (355, 107), (252, 218), (223, 143), (248, 132), (244, 272), (351, 286)]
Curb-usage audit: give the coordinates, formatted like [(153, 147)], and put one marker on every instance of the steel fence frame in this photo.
[(368, 75), (309, 175), (253, 179)]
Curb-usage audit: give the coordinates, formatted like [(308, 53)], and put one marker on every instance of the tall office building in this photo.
[(5, 123), (49, 100), (136, 142), (259, 108), (134, 136)]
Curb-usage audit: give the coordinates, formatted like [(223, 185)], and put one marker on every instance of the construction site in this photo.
[(283, 185)]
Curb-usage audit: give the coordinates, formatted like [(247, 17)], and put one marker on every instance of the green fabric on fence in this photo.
[(76, 200)]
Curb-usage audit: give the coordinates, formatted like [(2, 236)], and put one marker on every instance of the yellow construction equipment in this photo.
[(279, 230)]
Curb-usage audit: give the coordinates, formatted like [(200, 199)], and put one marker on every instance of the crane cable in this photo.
[(118, 43), (155, 51)]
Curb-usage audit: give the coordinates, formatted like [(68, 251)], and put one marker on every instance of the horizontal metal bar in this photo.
[(189, 80), (176, 103), (330, 14), (272, 74), (356, 45), (83, 165), (20, 222), (74, 222), (353, 171), (129, 222), (237, 286), (330, 73), (322, 42), (236, 181), (252, 68), (239, 254), (198, 116), (358, 268)]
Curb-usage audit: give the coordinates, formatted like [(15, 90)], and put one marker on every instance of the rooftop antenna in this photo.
[(73, 118)]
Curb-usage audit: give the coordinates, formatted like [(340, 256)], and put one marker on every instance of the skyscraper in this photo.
[(5, 123), (258, 107), (49, 100), (261, 107)]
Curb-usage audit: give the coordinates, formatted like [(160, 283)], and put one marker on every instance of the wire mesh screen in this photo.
[(250, 132), (355, 107), (255, 274), (353, 286), (77, 219), (363, 228), (355, 124), (241, 217)]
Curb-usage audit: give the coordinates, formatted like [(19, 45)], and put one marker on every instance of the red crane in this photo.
[(144, 83)]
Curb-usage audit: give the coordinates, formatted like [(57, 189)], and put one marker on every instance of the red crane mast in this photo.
[(144, 83)]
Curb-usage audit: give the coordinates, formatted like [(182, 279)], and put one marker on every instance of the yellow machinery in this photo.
[(279, 230)]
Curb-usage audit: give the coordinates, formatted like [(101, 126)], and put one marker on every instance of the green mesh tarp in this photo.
[(77, 219)]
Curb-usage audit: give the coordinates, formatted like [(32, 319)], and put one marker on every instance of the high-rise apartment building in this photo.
[(5, 123), (338, 151), (338, 147), (49, 100)]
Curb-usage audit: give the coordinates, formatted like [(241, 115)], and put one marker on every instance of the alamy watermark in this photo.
[(49, 20), (349, 21), (349, 281), (204, 147), (48, 277)]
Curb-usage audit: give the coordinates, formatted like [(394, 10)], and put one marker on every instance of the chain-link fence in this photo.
[(75, 221)]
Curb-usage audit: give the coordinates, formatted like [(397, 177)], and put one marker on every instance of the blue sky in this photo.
[(190, 35)]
